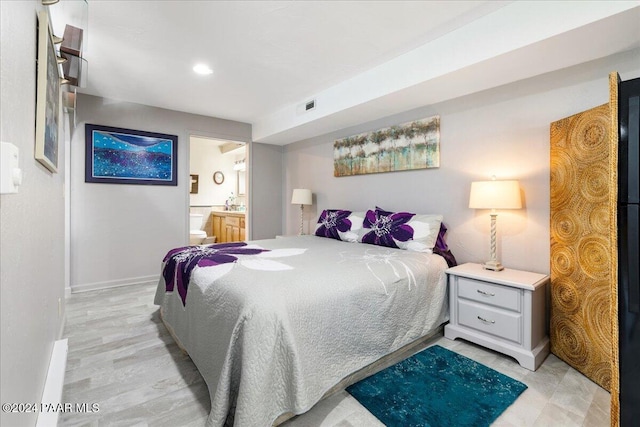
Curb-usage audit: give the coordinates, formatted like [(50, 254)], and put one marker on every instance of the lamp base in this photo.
[(301, 232), (493, 265)]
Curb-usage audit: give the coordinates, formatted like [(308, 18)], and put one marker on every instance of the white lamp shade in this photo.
[(301, 196), (495, 195)]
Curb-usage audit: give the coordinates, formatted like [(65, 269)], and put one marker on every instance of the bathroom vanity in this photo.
[(228, 226)]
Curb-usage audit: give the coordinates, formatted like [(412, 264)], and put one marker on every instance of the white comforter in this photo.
[(272, 332)]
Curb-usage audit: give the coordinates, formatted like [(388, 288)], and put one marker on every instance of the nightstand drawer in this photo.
[(487, 293), (500, 323)]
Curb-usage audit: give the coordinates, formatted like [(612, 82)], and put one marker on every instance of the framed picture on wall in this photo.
[(194, 184), (127, 156), (408, 146), (47, 97)]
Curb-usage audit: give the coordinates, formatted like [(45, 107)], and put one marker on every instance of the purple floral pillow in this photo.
[(384, 228), (333, 221), (403, 230), (441, 248), (340, 224)]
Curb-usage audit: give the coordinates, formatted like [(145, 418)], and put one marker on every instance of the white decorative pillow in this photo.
[(425, 233)]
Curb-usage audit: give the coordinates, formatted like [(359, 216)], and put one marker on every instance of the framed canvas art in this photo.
[(127, 156), (47, 97), (408, 146)]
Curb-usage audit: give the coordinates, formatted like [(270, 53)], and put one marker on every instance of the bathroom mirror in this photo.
[(218, 177), (242, 183)]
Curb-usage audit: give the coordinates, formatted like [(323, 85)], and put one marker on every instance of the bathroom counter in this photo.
[(228, 226), (230, 213)]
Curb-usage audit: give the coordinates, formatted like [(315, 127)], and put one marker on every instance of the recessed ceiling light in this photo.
[(202, 69)]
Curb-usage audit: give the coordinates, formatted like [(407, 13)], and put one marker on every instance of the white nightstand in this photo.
[(501, 310)]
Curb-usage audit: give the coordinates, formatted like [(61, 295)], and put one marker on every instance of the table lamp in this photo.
[(301, 196), (494, 195)]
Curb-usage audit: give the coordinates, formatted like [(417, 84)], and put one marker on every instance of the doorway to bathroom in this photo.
[(218, 196)]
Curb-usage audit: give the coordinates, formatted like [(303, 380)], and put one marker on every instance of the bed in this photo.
[(272, 325)]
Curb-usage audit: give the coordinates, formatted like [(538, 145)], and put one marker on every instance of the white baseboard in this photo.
[(63, 322), (114, 283), (52, 393)]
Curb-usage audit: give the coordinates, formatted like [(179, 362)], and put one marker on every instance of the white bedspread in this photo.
[(272, 332)]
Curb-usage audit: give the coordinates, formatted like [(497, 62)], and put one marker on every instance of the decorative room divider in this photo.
[(584, 256)]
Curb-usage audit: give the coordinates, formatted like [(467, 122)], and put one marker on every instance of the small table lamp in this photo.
[(494, 195), (301, 196)]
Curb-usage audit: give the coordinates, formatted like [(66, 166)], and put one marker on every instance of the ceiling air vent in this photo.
[(310, 105)]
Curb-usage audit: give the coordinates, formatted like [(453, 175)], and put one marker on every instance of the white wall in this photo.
[(31, 225), (120, 233), (504, 131), (204, 160)]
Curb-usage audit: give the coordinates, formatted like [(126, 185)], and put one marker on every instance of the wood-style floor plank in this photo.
[(122, 358)]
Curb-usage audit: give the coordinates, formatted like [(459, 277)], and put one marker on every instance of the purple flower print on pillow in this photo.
[(180, 262), (331, 221), (387, 226)]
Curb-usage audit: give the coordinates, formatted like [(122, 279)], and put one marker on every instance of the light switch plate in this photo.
[(10, 173)]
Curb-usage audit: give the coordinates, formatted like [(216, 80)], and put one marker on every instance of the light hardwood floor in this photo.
[(122, 358)]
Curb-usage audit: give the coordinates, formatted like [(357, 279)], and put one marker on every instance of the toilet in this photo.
[(196, 235)]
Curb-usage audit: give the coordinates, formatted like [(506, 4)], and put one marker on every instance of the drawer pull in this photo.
[(489, 294), (485, 320)]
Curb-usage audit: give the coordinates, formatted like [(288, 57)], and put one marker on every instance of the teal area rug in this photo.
[(437, 387)]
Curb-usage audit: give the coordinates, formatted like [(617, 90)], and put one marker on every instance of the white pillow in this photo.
[(425, 233)]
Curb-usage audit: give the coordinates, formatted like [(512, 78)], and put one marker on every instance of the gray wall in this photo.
[(504, 131), (266, 198), (119, 233), (31, 225)]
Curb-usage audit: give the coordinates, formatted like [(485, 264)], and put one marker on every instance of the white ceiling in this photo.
[(361, 60)]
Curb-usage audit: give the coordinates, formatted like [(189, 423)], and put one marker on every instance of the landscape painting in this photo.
[(412, 145), (47, 98), (127, 156)]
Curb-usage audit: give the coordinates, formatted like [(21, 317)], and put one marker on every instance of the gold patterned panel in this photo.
[(581, 183), (614, 80)]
